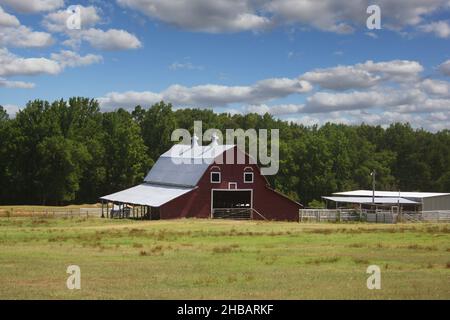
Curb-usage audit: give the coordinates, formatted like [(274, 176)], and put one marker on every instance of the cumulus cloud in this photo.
[(210, 94), (11, 109), (372, 92), (434, 121), (16, 84), (243, 15), (129, 99), (13, 34), (13, 65), (364, 75), (279, 109), (445, 67), (67, 58), (8, 20), (342, 78), (111, 39), (326, 102), (203, 15), (440, 28), (436, 87), (24, 37), (397, 70), (33, 6)]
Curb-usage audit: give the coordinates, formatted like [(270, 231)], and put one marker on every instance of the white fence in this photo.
[(51, 212), (329, 215), (338, 215)]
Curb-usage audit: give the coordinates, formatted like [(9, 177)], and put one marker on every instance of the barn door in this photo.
[(232, 204)]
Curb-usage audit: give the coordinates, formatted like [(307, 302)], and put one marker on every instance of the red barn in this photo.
[(200, 181)]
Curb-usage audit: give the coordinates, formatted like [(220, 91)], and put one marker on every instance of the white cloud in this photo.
[(364, 75), (13, 34), (11, 109), (67, 58), (445, 67), (341, 78), (12, 65), (436, 87), (16, 84), (280, 109), (211, 94), (129, 99), (111, 39), (398, 70), (24, 37), (203, 15), (440, 28), (8, 20), (33, 6), (359, 100), (243, 15)]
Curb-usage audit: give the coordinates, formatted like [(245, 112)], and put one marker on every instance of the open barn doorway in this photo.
[(231, 204)]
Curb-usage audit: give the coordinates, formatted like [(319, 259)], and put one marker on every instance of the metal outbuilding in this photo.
[(427, 201)]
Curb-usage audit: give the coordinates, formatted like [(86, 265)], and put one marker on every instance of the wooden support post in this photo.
[(107, 209), (103, 207)]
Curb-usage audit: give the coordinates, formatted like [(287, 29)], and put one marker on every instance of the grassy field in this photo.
[(204, 259)]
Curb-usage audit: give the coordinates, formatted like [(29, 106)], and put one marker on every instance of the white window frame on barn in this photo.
[(211, 177), (253, 177), (232, 186)]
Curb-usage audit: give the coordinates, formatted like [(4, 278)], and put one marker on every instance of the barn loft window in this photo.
[(215, 177), (248, 177)]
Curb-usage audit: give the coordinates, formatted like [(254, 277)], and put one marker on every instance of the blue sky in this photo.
[(300, 60)]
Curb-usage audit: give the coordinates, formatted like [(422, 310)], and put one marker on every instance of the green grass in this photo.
[(204, 259)]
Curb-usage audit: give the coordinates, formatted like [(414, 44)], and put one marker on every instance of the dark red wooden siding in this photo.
[(197, 203)]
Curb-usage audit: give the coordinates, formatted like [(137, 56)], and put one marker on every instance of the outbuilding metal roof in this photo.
[(368, 193), (368, 200), (184, 165), (147, 195)]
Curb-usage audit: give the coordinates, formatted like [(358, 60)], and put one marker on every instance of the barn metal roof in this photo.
[(147, 195), (184, 165), (368, 200), (368, 193)]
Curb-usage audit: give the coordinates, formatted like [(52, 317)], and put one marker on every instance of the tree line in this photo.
[(70, 152)]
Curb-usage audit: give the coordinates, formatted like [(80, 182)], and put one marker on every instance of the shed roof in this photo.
[(147, 194), (184, 165), (402, 194), (368, 200)]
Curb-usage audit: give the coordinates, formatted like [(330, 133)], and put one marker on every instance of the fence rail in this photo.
[(328, 215), (51, 212), (338, 215)]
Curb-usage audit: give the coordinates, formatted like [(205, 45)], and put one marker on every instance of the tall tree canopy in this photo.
[(70, 152)]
